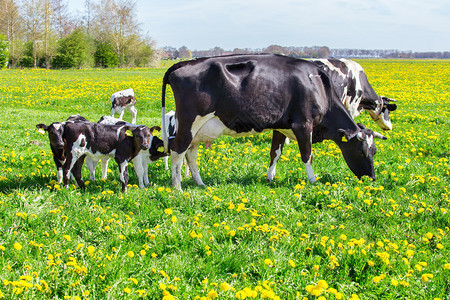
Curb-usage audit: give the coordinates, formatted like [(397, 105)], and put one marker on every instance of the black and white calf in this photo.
[(58, 146), (123, 143), (239, 95), (146, 157), (124, 100)]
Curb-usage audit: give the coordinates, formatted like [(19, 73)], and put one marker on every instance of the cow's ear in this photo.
[(346, 135), (41, 128)]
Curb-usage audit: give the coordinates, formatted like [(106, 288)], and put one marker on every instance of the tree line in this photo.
[(45, 34), (302, 52)]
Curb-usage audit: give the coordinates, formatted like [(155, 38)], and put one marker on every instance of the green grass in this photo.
[(241, 236)]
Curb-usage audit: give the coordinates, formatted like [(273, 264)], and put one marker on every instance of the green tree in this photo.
[(105, 56), (4, 53), (72, 51)]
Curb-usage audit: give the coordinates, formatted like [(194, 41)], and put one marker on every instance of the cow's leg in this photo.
[(104, 164), (123, 174), (67, 168), (76, 171), (278, 140), (133, 112), (304, 139), (139, 169), (191, 158), (186, 167), (91, 164), (166, 162), (177, 163), (59, 169), (121, 114), (145, 163)]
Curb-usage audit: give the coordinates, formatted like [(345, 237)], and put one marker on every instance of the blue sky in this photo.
[(416, 25)]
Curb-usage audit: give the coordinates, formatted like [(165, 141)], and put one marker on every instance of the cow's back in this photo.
[(251, 91)]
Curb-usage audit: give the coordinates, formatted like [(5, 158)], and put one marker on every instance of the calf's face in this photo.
[(55, 134), (141, 136), (157, 149)]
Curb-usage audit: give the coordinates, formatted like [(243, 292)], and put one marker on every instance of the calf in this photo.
[(58, 146), (155, 151), (121, 142), (124, 100)]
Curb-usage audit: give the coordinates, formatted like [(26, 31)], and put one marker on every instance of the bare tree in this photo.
[(11, 25), (63, 22)]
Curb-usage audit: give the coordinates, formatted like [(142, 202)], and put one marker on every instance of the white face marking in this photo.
[(57, 126), (77, 149)]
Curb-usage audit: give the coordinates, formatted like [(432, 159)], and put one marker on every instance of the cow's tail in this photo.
[(164, 133)]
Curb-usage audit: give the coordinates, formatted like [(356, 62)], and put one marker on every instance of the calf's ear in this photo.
[(155, 129), (41, 128)]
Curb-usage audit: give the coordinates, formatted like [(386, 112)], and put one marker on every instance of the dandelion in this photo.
[(67, 237), (292, 263), (268, 262), (426, 277), (127, 290), (18, 246), (173, 219), (212, 294), (168, 211), (224, 286), (130, 254), (447, 266)]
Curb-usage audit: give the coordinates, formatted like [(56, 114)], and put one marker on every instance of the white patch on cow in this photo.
[(118, 132), (310, 172), (332, 67), (58, 126), (59, 175), (272, 168), (138, 163), (77, 149), (122, 168)]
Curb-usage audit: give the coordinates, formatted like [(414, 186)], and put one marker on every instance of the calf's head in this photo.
[(157, 149), (55, 134), (141, 136), (358, 148)]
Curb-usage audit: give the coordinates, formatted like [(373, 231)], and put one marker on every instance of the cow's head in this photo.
[(141, 136), (55, 134), (381, 117), (358, 148)]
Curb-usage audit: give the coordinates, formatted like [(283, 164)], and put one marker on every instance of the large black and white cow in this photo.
[(352, 86), (123, 143), (244, 94), (124, 100), (58, 147)]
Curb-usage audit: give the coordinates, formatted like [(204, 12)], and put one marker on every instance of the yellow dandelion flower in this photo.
[(168, 211), (18, 246), (130, 254), (127, 290)]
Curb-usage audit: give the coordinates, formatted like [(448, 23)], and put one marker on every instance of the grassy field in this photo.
[(241, 237)]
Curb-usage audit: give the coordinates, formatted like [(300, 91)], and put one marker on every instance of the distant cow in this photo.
[(245, 94), (123, 143), (154, 152), (58, 146), (124, 100), (352, 86)]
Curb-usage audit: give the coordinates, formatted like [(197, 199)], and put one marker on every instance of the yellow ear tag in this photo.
[(160, 149), (41, 131), (155, 132), (344, 139), (129, 133)]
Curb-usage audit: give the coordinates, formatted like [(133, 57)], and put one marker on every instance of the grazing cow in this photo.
[(58, 146), (352, 86), (245, 94), (97, 140), (154, 152), (124, 100)]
